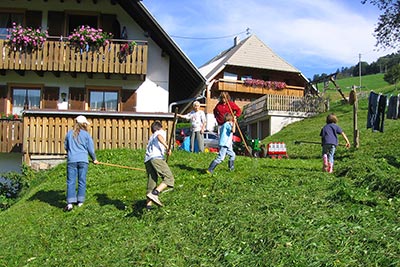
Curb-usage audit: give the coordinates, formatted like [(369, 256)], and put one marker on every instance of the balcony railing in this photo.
[(284, 103), (61, 56), (240, 87)]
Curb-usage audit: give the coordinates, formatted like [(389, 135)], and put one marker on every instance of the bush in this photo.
[(12, 186)]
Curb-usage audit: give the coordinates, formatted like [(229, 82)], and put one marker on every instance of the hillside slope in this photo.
[(266, 213)]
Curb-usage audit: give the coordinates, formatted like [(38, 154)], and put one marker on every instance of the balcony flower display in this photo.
[(125, 50), (26, 39), (266, 84), (9, 117), (85, 37)]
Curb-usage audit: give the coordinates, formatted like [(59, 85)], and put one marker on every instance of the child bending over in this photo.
[(156, 166)]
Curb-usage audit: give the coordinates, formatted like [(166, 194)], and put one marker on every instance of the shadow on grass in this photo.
[(188, 168), (55, 198), (393, 161), (139, 207), (104, 200)]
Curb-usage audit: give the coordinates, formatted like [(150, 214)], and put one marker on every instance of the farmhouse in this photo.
[(270, 91), (122, 80)]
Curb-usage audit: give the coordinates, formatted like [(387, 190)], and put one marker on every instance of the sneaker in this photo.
[(69, 207), (80, 204), (209, 172), (149, 207), (154, 198)]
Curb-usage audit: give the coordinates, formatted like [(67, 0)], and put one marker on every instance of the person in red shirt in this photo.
[(223, 107)]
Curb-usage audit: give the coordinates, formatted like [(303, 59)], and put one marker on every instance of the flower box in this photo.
[(26, 39), (86, 37), (266, 84)]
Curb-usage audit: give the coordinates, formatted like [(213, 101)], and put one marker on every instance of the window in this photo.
[(230, 76), (6, 21), (103, 100), (25, 98)]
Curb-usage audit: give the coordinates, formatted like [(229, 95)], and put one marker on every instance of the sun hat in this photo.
[(82, 119)]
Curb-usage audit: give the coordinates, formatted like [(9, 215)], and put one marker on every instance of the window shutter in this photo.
[(3, 99), (77, 98), (128, 100), (50, 97)]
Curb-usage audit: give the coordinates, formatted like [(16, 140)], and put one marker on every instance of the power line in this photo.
[(247, 31)]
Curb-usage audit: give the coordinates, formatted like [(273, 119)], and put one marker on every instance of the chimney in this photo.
[(236, 40)]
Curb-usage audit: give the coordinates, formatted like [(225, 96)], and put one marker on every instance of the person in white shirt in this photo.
[(197, 118), (156, 165)]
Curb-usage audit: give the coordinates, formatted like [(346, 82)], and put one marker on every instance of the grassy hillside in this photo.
[(266, 213), (368, 83)]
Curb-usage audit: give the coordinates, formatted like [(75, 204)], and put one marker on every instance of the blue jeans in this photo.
[(223, 151), (76, 170), (329, 150)]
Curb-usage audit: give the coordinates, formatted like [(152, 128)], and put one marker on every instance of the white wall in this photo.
[(152, 94), (277, 123)]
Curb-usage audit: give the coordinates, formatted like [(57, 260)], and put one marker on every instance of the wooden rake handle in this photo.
[(120, 166)]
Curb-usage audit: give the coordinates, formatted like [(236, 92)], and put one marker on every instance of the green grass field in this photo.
[(268, 212)]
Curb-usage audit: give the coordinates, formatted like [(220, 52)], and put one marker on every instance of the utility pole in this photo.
[(359, 68), (353, 100)]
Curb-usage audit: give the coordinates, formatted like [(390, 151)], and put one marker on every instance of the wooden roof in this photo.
[(250, 52)]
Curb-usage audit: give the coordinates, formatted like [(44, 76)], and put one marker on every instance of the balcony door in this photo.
[(6, 21), (76, 20)]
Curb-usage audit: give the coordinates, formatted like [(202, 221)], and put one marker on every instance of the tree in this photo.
[(387, 31), (393, 75), (356, 69)]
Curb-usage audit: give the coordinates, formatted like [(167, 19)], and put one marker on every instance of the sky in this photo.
[(315, 36)]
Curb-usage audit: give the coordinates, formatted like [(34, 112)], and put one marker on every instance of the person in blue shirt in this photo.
[(329, 141), (79, 145), (225, 144)]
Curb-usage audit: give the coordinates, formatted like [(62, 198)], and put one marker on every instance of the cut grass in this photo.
[(266, 213)]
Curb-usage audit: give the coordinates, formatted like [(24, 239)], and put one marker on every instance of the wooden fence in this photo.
[(11, 133), (44, 133)]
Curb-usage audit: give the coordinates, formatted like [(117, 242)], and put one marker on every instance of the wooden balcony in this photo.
[(290, 104), (240, 87), (60, 56)]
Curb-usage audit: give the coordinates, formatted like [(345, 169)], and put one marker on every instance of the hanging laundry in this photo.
[(393, 108), (376, 111)]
